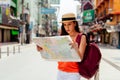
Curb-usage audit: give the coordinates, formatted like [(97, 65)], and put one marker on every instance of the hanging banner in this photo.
[(0, 15), (88, 16)]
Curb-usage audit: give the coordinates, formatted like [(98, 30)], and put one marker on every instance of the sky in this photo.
[(67, 6)]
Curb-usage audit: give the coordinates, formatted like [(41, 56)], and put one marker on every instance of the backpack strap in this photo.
[(78, 38)]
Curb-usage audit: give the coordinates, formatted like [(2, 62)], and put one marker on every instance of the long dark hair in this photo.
[(63, 31)]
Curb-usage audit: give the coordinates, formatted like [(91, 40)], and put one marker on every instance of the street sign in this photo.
[(48, 10), (88, 16)]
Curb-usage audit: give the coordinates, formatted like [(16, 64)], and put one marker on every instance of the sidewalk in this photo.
[(28, 65), (8, 43), (11, 48), (111, 55)]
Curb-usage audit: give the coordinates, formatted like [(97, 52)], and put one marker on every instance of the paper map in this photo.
[(56, 48)]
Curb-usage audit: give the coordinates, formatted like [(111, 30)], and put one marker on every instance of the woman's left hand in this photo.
[(75, 46)]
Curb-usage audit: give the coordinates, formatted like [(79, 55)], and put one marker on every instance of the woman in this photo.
[(70, 70)]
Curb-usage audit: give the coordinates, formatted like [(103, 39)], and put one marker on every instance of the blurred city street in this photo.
[(28, 64), (22, 20)]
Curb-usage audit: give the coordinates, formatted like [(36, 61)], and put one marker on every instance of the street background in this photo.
[(28, 64)]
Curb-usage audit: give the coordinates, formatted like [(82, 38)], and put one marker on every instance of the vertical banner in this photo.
[(5, 11), (88, 16), (0, 14)]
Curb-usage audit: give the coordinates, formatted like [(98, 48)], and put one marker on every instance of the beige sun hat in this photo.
[(68, 17)]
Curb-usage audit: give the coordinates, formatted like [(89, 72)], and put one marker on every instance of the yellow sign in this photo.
[(7, 11)]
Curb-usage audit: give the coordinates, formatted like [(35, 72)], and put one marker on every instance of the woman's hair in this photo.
[(63, 31)]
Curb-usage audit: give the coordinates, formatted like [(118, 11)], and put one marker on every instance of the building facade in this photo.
[(108, 12)]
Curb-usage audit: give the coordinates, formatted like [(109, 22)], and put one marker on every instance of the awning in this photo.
[(116, 12), (111, 23), (12, 4), (8, 27)]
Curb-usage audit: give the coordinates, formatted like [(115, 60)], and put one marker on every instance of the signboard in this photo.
[(48, 10), (54, 1), (88, 16), (15, 32)]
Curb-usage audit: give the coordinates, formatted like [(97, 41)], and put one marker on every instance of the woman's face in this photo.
[(69, 26)]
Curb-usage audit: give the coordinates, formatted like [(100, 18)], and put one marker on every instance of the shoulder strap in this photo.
[(78, 38)]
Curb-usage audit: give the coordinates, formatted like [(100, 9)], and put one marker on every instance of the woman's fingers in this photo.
[(74, 45)]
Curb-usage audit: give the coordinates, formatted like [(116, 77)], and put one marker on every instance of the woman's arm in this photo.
[(81, 49), (82, 46)]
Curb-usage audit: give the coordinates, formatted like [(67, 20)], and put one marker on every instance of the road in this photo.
[(28, 65)]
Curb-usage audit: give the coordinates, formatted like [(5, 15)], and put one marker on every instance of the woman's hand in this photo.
[(75, 46), (39, 48)]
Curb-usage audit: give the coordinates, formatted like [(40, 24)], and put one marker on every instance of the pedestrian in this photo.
[(69, 70), (91, 37)]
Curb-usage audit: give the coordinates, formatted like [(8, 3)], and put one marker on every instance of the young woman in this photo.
[(70, 70)]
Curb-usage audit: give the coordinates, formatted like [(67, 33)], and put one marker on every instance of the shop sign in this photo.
[(15, 32), (48, 10), (88, 16)]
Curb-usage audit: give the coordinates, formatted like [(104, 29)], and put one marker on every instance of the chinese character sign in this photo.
[(88, 16)]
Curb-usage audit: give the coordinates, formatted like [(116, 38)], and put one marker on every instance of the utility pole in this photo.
[(22, 23)]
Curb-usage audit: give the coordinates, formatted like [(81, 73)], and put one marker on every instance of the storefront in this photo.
[(8, 22), (114, 34), (7, 34)]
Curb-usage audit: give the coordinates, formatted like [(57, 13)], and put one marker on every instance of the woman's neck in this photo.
[(73, 34)]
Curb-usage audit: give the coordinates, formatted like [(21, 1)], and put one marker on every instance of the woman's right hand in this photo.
[(39, 48)]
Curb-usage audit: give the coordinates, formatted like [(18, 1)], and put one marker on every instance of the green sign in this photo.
[(88, 16), (15, 32)]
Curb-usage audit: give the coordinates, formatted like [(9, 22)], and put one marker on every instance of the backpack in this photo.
[(91, 59)]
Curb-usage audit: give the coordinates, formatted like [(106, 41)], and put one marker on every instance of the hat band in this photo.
[(66, 19)]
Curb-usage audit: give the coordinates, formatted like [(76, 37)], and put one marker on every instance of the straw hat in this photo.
[(68, 17)]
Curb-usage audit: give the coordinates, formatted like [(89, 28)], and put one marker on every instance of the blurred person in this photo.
[(70, 70), (91, 37)]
